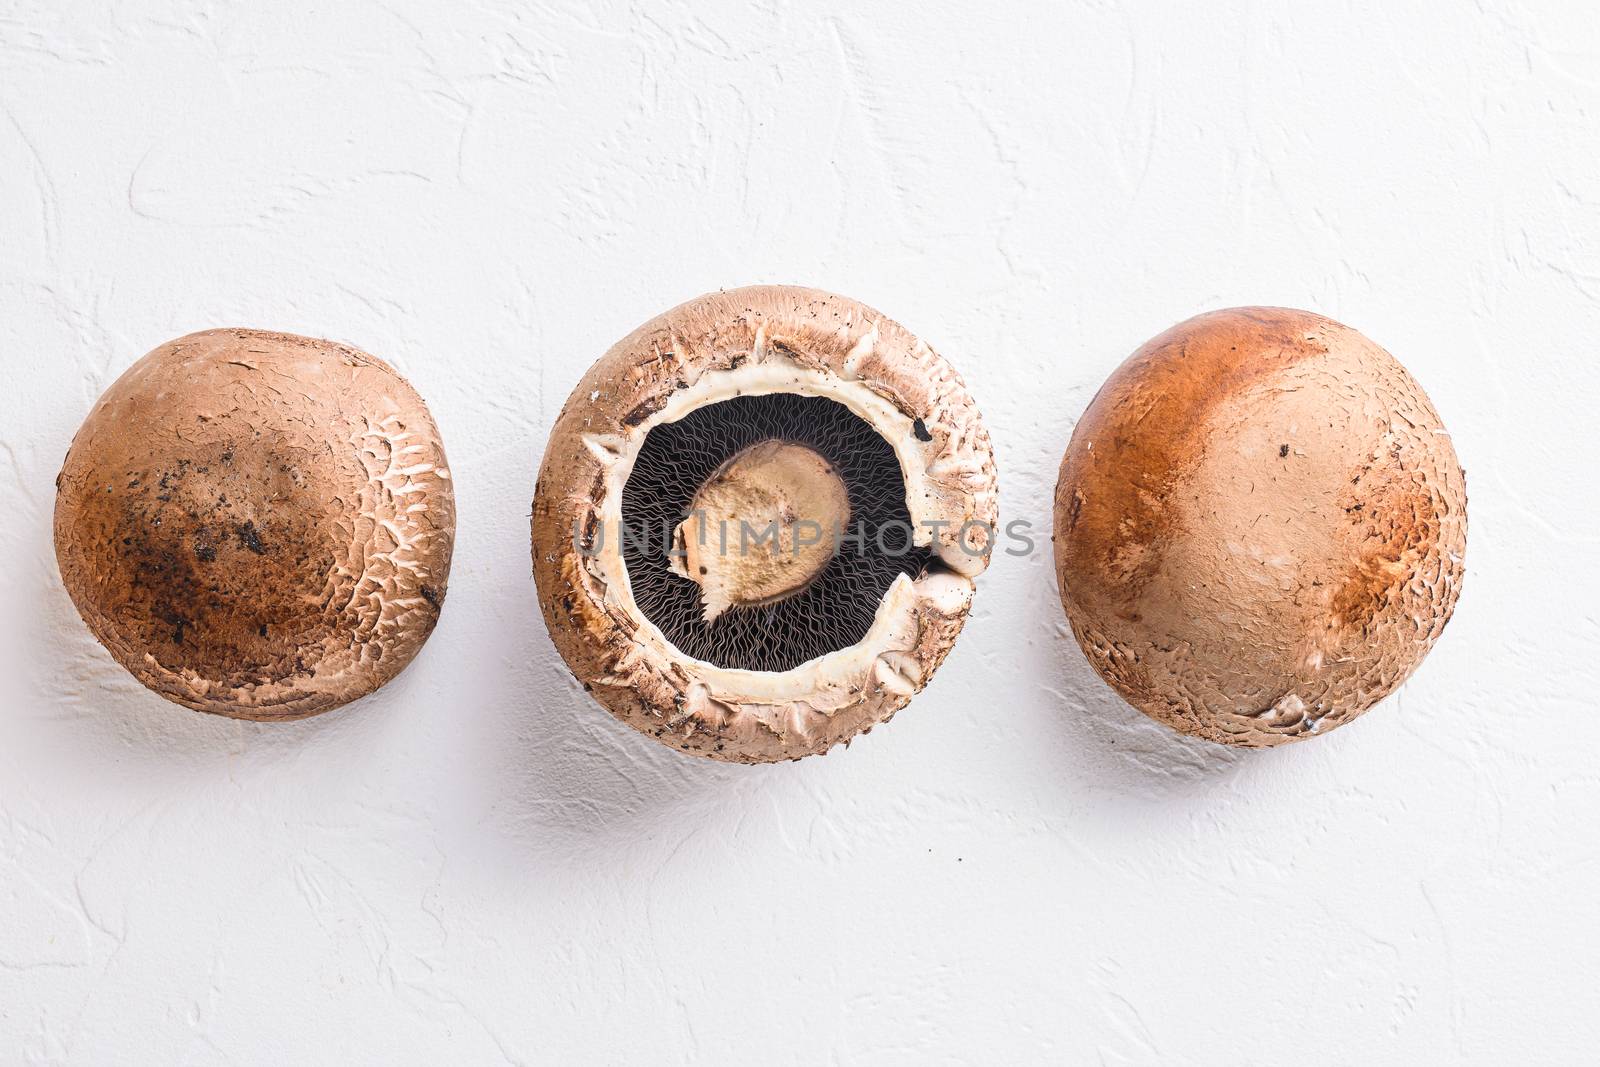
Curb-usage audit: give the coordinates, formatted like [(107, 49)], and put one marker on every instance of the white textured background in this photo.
[(477, 865)]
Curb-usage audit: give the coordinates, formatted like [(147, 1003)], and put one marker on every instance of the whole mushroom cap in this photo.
[(1260, 525), (256, 524), (725, 348)]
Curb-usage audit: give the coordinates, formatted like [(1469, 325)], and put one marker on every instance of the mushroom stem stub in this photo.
[(762, 527)]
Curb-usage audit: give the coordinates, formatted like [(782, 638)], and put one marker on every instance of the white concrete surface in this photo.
[(477, 865)]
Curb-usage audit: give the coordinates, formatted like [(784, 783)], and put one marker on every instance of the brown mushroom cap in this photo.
[(742, 343), (256, 524), (1260, 526)]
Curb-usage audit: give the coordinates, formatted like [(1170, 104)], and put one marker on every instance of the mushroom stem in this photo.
[(762, 528)]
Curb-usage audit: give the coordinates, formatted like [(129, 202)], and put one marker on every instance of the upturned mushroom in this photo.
[(758, 521), (256, 524), (1260, 526)]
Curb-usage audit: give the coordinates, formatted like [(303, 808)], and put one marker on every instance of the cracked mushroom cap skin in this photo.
[(1260, 526), (256, 524), (749, 343)]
